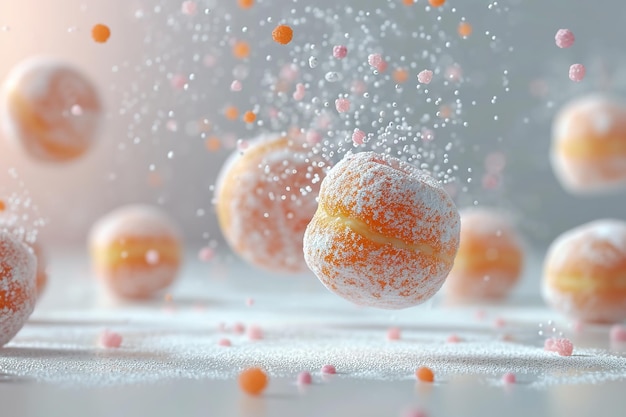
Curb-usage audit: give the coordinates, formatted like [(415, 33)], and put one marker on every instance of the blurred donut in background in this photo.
[(136, 251), (265, 198), (588, 152), (50, 109), (490, 259), (585, 272)]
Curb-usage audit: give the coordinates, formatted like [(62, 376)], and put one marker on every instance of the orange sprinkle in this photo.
[(465, 29), (231, 113), (425, 374), (212, 144), (2, 206), (400, 75), (408, 2), (436, 3), (100, 33), (282, 34), (249, 117), (253, 381), (168, 298), (241, 50), (245, 4)]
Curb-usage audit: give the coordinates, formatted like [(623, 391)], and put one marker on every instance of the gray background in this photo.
[(73, 195)]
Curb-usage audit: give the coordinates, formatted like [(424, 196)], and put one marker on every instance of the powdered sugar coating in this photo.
[(583, 272), (18, 294), (385, 233), (265, 198)]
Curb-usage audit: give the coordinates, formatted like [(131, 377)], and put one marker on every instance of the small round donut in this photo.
[(266, 196), (585, 272), (490, 259), (136, 251), (17, 286), (385, 233), (50, 109), (588, 151)]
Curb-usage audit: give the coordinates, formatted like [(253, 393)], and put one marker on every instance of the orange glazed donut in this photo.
[(17, 286), (490, 257), (585, 272), (265, 199), (50, 109), (589, 145), (385, 233), (136, 251)]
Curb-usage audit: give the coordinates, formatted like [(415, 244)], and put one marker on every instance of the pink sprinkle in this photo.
[(427, 135), (209, 61), (499, 322), (358, 87), (564, 38), (340, 51), (377, 62), (454, 72), (298, 95), (618, 334), (508, 378), (255, 333), (425, 76), (109, 339), (491, 181), (358, 136), (224, 342), (171, 125), (178, 81), (206, 254), (342, 105), (189, 8), (235, 86), (506, 337), (563, 347), (393, 333), (250, 301), (414, 413), (577, 72), (329, 370), (305, 378), (480, 314), (453, 339), (313, 137), (239, 328), (289, 72)]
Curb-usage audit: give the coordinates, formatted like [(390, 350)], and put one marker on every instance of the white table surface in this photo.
[(170, 363)]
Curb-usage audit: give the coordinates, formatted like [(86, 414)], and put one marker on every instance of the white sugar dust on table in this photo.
[(292, 327)]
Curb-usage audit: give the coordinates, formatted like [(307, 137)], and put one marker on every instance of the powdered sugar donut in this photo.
[(17, 286), (490, 257), (585, 272), (136, 251), (265, 199), (51, 109), (589, 145), (385, 234)]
